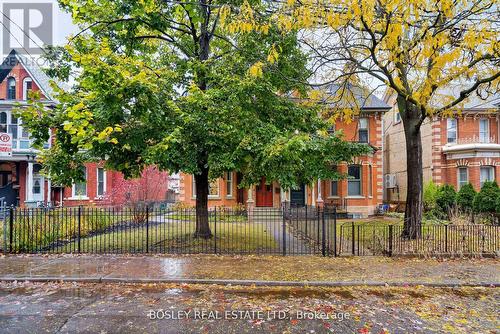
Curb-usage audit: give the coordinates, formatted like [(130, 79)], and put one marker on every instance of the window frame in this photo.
[(448, 128), (103, 182), (492, 173), (9, 86), (27, 80), (367, 129), (193, 188), (486, 139), (229, 184), (4, 125), (74, 195), (397, 117), (370, 181), (460, 183), (350, 180)]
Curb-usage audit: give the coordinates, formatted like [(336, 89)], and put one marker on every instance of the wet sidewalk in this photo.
[(303, 270)]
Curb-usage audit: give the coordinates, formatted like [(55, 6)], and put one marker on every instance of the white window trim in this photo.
[(75, 196), (487, 129), (370, 181), (230, 195), (458, 176), (104, 175), (25, 88), (396, 120), (193, 189), (360, 182), (491, 168), (367, 128), (330, 195), (448, 130)]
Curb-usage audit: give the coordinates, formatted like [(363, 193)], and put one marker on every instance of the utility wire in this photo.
[(24, 32)]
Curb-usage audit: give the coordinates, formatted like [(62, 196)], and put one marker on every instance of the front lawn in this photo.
[(177, 237)]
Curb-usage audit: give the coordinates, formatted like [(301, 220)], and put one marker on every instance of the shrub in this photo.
[(498, 203), (465, 197), (446, 197), (430, 194), (485, 200)]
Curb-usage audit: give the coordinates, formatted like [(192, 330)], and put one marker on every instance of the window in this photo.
[(487, 173), (229, 184), (397, 117), (334, 185), (27, 86), (101, 182), (463, 177), (354, 181), (36, 187), (451, 130), (80, 188), (213, 188), (11, 89), (370, 185), (3, 121), (484, 130), (363, 130)]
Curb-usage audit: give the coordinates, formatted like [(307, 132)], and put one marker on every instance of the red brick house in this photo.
[(456, 150), (21, 183), (360, 195)]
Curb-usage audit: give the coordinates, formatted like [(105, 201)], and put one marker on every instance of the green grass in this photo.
[(231, 237), (372, 237)]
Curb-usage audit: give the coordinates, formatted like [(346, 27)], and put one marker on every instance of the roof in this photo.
[(475, 101), (31, 66), (350, 96)]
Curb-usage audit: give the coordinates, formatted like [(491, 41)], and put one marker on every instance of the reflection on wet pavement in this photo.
[(289, 268)]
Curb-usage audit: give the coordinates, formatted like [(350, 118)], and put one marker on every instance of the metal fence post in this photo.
[(215, 230), (335, 231), (390, 240), (306, 221), (284, 233), (147, 228), (323, 234), (11, 228), (79, 226), (353, 243)]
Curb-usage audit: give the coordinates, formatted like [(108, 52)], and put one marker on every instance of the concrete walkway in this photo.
[(249, 270)]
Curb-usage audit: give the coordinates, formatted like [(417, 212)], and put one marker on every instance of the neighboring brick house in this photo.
[(360, 195), (457, 150), (21, 183)]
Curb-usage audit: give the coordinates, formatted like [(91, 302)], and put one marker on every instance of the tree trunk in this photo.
[(414, 196), (202, 184)]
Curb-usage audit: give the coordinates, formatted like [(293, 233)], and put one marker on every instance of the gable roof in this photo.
[(30, 65)]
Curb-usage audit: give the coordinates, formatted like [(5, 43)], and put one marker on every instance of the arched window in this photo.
[(27, 86), (11, 89)]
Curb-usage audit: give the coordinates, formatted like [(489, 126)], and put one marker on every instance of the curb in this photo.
[(245, 282)]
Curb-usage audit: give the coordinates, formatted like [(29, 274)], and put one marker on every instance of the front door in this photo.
[(264, 193), (298, 196)]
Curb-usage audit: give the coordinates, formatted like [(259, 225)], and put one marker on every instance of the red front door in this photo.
[(264, 193)]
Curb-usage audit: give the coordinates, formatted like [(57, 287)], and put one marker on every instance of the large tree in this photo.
[(433, 55), (170, 84)]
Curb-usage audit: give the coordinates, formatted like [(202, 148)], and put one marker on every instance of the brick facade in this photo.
[(364, 204), (442, 160)]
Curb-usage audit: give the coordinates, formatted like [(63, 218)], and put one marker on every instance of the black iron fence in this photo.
[(288, 230)]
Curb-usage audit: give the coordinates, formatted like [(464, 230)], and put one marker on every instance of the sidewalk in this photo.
[(250, 270)]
